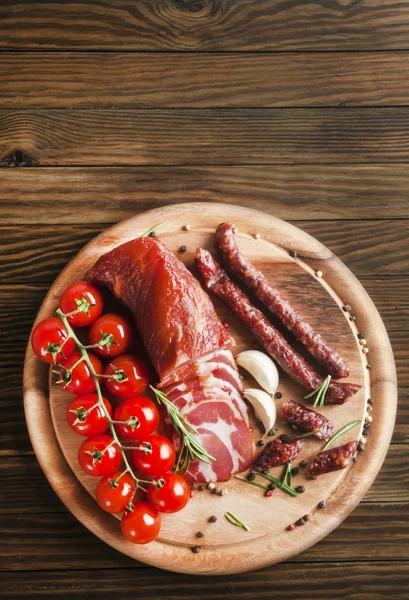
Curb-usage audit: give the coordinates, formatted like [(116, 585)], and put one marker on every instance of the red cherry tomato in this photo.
[(142, 415), (115, 491), (98, 456), (79, 380), (161, 458), (47, 336), (85, 421), (142, 524), (135, 371), (172, 496), (79, 294), (118, 328)]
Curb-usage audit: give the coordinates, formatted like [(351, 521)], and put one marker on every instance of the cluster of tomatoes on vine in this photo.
[(111, 433)]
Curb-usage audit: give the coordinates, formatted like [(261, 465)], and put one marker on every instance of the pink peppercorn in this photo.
[(291, 527), (269, 493)]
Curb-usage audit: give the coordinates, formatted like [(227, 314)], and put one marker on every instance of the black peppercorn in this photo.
[(361, 447), (182, 249), (300, 489), (313, 477), (301, 522), (196, 549), (346, 308), (260, 443), (272, 487), (322, 504), (295, 471), (306, 517), (370, 401), (251, 477), (201, 487), (354, 460), (361, 336), (278, 395), (369, 366), (284, 437), (303, 463), (293, 253), (153, 234), (213, 519), (200, 534)]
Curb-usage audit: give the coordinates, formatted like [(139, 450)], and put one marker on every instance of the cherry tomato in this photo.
[(141, 525), (47, 336), (97, 457), (115, 491), (118, 328), (172, 496), (142, 413), (79, 380), (82, 294), (85, 421), (161, 458), (135, 371)]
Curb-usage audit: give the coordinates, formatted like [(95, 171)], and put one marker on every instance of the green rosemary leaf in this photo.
[(235, 521), (339, 433)]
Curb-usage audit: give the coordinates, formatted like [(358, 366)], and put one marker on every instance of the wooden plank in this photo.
[(33, 254), (19, 304), (364, 536), (391, 485), (67, 80), (297, 192), (204, 136), (357, 580), (210, 26)]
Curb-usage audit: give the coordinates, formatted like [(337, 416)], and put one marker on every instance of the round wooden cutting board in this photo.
[(267, 242)]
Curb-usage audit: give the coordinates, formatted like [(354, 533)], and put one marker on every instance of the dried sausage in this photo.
[(333, 459), (217, 281), (278, 453), (236, 264), (307, 420)]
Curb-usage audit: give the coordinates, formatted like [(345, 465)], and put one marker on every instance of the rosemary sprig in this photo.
[(147, 233), (256, 483), (280, 484), (191, 447), (339, 433), (236, 521), (321, 390), (287, 475)]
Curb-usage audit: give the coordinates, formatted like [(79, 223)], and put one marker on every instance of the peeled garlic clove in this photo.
[(261, 367), (263, 405)]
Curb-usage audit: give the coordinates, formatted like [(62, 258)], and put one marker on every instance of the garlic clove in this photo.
[(264, 407), (261, 367)]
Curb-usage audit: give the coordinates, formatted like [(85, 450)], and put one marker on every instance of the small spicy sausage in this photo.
[(278, 453), (307, 420), (333, 459), (242, 268), (217, 281)]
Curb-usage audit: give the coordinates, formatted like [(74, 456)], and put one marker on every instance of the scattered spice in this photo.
[(196, 549), (278, 395), (182, 249), (306, 517), (362, 342), (293, 253), (213, 519), (251, 476), (365, 350), (273, 431), (153, 234), (369, 366), (192, 493), (234, 229), (199, 534), (272, 487), (295, 471), (280, 484), (369, 409), (226, 325), (257, 236), (362, 440), (322, 504), (318, 274), (301, 522), (300, 489), (291, 527), (284, 438), (224, 492), (201, 487), (260, 443), (368, 419), (211, 486), (186, 227), (268, 493), (347, 308), (361, 336), (303, 463), (354, 459), (217, 491), (193, 488), (352, 318), (236, 521), (361, 448), (313, 478), (370, 401)]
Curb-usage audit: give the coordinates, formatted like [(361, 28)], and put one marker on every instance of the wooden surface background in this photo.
[(299, 109)]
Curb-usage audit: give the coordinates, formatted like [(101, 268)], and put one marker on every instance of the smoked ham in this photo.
[(189, 348)]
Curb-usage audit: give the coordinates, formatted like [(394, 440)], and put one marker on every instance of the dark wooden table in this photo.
[(107, 108)]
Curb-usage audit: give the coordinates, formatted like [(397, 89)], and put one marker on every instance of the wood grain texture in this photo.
[(357, 580), (157, 80), (92, 137), (291, 192), (205, 25), (340, 498)]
